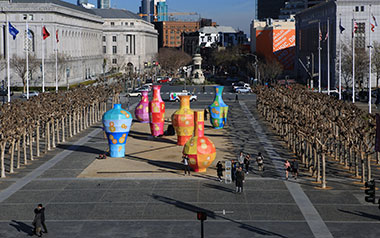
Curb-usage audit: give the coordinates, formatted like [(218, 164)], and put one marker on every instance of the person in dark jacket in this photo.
[(219, 170), (42, 210), (239, 180), (295, 169), (37, 222), (247, 161)]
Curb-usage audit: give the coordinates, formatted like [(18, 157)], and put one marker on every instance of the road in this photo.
[(115, 207)]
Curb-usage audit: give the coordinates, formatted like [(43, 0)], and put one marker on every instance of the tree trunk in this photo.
[(369, 167), (323, 170), (18, 154), (377, 157), (31, 144), (11, 166), (63, 128), (318, 168), (362, 166), (356, 163), (38, 140), (57, 131), (2, 147), (52, 134), (70, 126), (24, 147)]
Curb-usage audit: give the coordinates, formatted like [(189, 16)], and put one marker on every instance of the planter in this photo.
[(156, 112), (142, 109)]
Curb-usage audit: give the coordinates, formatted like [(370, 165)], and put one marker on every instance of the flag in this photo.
[(341, 28), (327, 36), (30, 34), (56, 35), (45, 33), (320, 35), (355, 29), (12, 30), (373, 24)]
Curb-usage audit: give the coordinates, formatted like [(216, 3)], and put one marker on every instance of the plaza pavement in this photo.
[(149, 206)]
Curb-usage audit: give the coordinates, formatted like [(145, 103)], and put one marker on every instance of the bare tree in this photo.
[(270, 70), (376, 61), (19, 66), (361, 65), (172, 59)]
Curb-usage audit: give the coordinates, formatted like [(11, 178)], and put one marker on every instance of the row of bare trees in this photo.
[(49, 119), (315, 125)]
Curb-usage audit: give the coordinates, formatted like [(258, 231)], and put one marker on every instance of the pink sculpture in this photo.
[(142, 109)]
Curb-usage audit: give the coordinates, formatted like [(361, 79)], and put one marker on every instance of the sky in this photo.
[(235, 13)]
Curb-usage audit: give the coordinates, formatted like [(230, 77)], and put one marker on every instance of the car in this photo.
[(145, 87), (31, 94), (5, 92), (164, 80), (240, 84), (243, 90), (174, 96), (134, 93)]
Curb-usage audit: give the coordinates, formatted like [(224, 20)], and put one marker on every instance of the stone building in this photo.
[(128, 41), (335, 12), (170, 32), (79, 33)]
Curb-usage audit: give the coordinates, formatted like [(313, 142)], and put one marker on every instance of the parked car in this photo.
[(174, 96), (134, 93), (4, 92), (243, 90), (31, 94), (164, 80), (240, 84)]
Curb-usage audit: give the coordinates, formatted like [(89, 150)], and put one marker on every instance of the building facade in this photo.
[(104, 4), (170, 32), (269, 9), (79, 48), (274, 39), (340, 12), (128, 42)]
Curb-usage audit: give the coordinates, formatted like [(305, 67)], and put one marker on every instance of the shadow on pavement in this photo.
[(158, 163), (218, 187), (81, 148), (22, 227), (362, 214), (212, 215)]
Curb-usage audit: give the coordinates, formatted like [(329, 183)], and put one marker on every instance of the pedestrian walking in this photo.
[(37, 222), (236, 97), (288, 169), (240, 158), (247, 161), (219, 170), (42, 210), (205, 112), (295, 169), (185, 161), (239, 180), (260, 162), (233, 170)]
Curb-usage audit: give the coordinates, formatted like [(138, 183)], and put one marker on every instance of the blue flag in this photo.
[(341, 28), (13, 31)]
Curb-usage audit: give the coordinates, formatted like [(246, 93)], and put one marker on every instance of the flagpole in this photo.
[(370, 61), (328, 56), (353, 58), (27, 57), (340, 63), (8, 63), (56, 62), (319, 57), (43, 61)]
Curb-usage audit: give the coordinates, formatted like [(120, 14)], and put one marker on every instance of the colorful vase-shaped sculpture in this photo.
[(117, 123), (218, 109), (200, 149), (183, 121), (157, 112), (142, 109)]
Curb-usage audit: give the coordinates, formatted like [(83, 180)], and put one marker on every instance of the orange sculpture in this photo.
[(183, 121), (199, 148)]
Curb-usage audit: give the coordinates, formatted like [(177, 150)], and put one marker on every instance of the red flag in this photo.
[(56, 35), (320, 35), (355, 29), (45, 33)]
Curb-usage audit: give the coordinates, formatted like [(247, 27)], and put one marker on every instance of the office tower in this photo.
[(104, 4)]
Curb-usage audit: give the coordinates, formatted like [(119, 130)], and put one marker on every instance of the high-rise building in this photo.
[(154, 10), (80, 2), (104, 4), (162, 10), (292, 7), (269, 9)]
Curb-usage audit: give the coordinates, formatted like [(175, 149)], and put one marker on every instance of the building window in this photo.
[(127, 50), (114, 61), (114, 50), (356, 8), (126, 23), (104, 50), (362, 8), (114, 38), (360, 36), (172, 42), (132, 23), (104, 38), (112, 23), (126, 38)]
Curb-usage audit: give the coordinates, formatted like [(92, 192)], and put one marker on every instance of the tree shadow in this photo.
[(158, 163), (212, 215), (22, 227), (362, 214), (81, 148)]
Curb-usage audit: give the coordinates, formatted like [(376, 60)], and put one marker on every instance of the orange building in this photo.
[(170, 32), (274, 39)]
